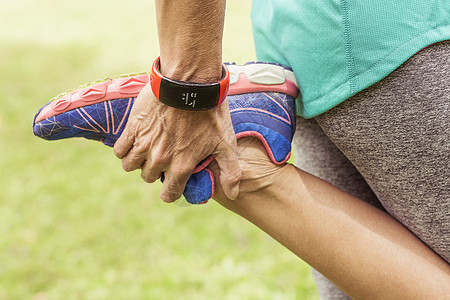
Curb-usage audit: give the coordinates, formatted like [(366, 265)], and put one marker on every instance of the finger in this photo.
[(133, 160), (230, 173), (123, 144), (151, 171), (175, 181)]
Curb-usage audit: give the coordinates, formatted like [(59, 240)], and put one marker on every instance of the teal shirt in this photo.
[(340, 47)]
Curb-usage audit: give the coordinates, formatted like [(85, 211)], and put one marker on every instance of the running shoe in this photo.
[(261, 100)]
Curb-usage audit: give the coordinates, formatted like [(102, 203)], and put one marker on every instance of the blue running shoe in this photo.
[(261, 100)]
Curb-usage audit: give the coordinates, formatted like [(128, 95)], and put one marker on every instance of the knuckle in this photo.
[(145, 143), (180, 171), (159, 159), (130, 163), (149, 175), (139, 148)]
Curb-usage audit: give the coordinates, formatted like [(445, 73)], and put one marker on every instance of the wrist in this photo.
[(202, 70), (188, 95)]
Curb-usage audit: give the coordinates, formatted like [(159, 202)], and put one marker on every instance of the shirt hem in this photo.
[(373, 74)]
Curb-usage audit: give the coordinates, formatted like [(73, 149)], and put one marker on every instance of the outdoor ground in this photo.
[(73, 225)]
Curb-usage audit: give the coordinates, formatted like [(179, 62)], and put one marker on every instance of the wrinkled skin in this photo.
[(159, 138), (258, 171)]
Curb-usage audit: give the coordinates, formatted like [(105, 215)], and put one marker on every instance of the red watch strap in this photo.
[(224, 85), (156, 79)]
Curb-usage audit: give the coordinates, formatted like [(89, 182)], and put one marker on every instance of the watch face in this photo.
[(187, 95)]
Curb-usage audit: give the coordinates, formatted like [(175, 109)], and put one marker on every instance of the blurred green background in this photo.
[(73, 225)]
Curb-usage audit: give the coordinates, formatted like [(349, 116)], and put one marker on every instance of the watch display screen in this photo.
[(192, 96)]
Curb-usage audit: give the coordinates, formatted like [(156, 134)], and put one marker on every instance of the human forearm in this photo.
[(161, 139), (190, 38), (363, 250)]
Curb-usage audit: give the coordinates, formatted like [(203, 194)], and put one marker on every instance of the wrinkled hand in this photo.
[(159, 138), (258, 171)]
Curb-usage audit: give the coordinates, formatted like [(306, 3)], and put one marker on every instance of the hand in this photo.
[(159, 138), (258, 171)]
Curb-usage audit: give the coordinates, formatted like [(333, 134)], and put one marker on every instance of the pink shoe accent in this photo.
[(93, 93), (132, 85), (62, 104), (204, 164), (265, 144), (129, 87), (243, 86)]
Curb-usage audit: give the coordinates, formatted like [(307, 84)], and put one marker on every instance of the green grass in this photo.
[(73, 224)]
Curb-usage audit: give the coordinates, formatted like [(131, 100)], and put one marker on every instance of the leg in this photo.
[(317, 155), (329, 228), (397, 134)]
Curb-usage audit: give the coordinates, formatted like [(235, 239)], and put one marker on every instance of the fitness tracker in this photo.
[(188, 95)]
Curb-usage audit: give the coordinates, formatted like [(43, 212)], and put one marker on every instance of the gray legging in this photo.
[(390, 146)]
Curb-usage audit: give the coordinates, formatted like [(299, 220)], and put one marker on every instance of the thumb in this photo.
[(123, 143), (229, 171)]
